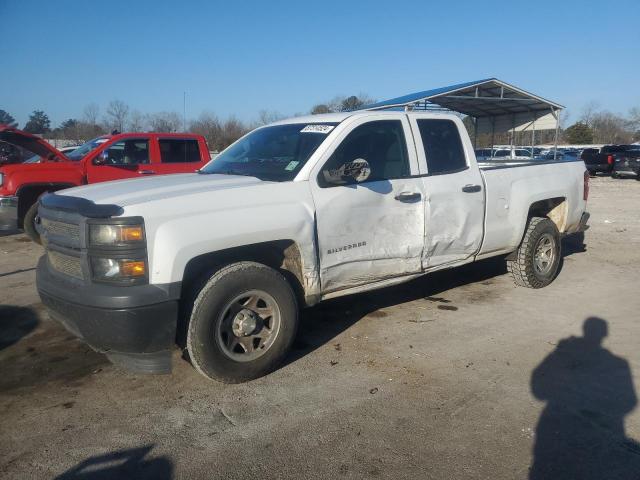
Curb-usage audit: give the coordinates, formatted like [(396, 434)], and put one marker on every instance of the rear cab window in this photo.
[(442, 146), (179, 150)]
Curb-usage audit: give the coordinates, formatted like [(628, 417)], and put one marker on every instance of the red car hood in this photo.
[(30, 142)]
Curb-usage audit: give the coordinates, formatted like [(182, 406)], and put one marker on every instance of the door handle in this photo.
[(471, 188), (408, 197), (146, 172)]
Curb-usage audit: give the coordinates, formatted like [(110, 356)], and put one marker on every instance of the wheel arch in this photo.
[(29, 193), (281, 255), (555, 209)]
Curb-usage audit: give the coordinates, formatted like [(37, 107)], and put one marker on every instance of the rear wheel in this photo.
[(243, 322), (538, 257), (29, 223)]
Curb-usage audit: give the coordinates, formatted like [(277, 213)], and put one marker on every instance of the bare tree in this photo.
[(117, 112), (588, 112), (609, 128), (634, 122), (208, 125), (90, 113), (268, 116), (164, 122), (137, 122), (341, 103), (320, 108), (232, 130), (564, 118)]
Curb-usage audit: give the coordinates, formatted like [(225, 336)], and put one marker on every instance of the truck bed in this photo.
[(511, 190), (512, 163)]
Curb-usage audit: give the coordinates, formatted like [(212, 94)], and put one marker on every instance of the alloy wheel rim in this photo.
[(544, 254)]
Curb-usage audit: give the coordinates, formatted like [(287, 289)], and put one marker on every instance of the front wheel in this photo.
[(537, 259), (29, 223), (243, 323)]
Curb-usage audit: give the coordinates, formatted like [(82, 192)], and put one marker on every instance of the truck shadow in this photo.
[(573, 244), (323, 322), (588, 391), (15, 323), (320, 324), (130, 463)]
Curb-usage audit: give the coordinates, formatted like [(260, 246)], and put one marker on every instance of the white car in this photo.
[(294, 213)]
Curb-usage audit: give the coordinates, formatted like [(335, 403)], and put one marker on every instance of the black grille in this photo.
[(65, 264), (61, 229)]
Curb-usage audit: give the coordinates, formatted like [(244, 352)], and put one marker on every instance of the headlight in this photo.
[(119, 270), (115, 235), (117, 251)]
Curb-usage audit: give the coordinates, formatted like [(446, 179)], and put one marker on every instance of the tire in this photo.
[(528, 268), (29, 223), (218, 346)]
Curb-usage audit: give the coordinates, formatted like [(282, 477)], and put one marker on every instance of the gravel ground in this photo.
[(459, 375)]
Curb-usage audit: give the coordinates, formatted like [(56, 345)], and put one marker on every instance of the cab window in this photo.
[(381, 143), (127, 152), (178, 150), (442, 146)]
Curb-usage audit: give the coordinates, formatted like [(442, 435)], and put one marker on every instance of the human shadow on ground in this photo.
[(588, 391), (122, 464), (15, 323)]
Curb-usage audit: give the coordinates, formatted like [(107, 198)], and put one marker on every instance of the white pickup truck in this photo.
[(294, 213)]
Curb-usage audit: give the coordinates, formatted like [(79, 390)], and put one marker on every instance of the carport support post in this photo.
[(533, 134), (493, 131), (555, 141), (475, 133)]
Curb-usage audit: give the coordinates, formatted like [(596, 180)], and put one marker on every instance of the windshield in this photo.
[(274, 153), (85, 148)]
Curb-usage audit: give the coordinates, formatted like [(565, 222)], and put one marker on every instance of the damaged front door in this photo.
[(370, 212)]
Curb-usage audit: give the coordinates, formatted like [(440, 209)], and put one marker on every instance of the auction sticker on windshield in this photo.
[(317, 129)]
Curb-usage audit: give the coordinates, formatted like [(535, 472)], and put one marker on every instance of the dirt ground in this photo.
[(458, 375)]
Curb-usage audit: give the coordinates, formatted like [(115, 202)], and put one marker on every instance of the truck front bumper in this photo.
[(136, 328), (8, 213)]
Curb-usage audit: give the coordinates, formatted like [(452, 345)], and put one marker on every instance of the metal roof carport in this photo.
[(494, 105)]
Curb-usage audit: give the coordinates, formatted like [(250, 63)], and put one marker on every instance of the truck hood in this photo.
[(141, 190), (30, 142)]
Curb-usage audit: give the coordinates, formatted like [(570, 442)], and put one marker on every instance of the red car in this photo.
[(109, 157)]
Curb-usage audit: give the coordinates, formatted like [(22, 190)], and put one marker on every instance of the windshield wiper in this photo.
[(228, 172)]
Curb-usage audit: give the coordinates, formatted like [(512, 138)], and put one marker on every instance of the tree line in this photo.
[(118, 116), (594, 125)]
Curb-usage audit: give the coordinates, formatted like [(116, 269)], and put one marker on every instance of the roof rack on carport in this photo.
[(495, 106)]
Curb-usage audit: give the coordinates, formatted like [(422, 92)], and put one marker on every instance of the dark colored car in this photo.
[(627, 163), (602, 159)]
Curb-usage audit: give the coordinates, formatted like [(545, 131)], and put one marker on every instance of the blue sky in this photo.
[(240, 57)]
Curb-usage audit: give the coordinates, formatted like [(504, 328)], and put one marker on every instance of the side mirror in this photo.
[(356, 171), (102, 158)]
